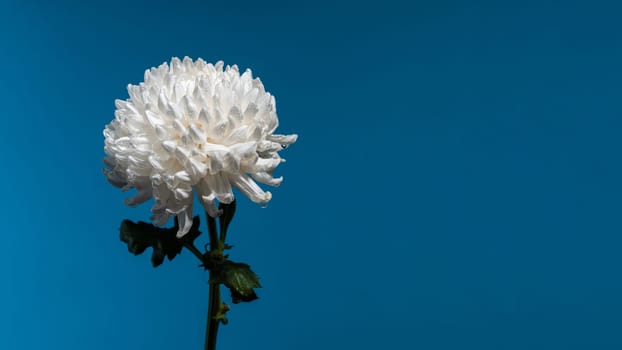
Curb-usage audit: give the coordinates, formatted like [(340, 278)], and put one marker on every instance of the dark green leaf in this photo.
[(140, 236), (240, 280)]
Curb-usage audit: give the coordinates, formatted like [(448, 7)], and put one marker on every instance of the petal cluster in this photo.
[(193, 126)]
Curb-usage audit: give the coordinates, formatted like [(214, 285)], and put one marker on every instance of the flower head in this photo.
[(194, 127)]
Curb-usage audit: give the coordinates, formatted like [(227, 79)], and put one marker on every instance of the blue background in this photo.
[(456, 183)]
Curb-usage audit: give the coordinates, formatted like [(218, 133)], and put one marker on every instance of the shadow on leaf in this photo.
[(141, 235)]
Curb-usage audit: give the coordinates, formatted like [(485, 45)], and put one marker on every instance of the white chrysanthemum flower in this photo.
[(194, 126)]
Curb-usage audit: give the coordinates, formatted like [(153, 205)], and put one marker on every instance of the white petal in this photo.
[(182, 193), (154, 119), (179, 125), (185, 221), (162, 101), (140, 197), (160, 219), (155, 162), (208, 199), (267, 179), (245, 150), (115, 179), (197, 168), (162, 132), (197, 134), (176, 66), (235, 113), (266, 165), (283, 139), (188, 63), (169, 146), (220, 187), (175, 208), (134, 92), (268, 146), (205, 117), (183, 176), (109, 162), (182, 153), (247, 186), (239, 134), (221, 159)]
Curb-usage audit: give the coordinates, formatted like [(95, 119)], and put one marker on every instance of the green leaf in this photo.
[(240, 280), (140, 236)]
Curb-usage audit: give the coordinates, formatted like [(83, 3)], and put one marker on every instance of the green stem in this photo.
[(194, 250), (211, 330), (213, 235)]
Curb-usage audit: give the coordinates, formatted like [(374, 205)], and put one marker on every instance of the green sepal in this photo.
[(228, 210), (240, 280), (140, 236)]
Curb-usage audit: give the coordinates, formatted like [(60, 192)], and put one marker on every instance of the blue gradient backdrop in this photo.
[(456, 184)]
